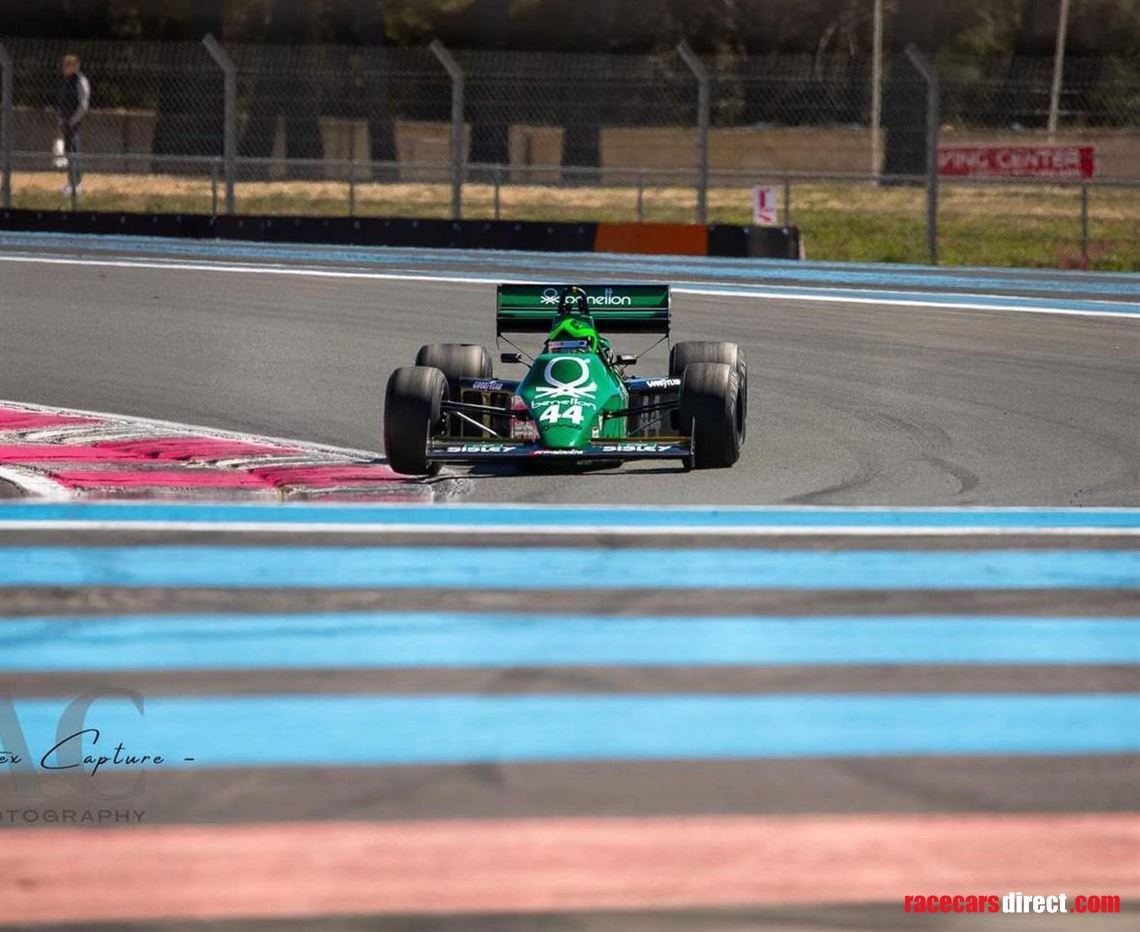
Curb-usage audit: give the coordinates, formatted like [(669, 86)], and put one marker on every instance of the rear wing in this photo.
[(615, 308)]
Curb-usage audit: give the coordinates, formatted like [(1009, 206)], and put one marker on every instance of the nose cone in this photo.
[(564, 393), (566, 436)]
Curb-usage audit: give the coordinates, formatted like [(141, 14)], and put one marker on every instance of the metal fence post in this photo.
[(1058, 68), (6, 79), (229, 139), (701, 73), (877, 91), (451, 66), (930, 76)]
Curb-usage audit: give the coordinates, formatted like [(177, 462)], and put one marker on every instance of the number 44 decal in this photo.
[(554, 413)]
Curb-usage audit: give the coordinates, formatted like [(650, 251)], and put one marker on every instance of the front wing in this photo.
[(481, 451)]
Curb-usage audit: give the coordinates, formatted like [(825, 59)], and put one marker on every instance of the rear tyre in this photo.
[(686, 353), (709, 411), (412, 412), (456, 361)]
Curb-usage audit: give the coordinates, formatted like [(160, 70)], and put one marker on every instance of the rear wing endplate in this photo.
[(640, 308)]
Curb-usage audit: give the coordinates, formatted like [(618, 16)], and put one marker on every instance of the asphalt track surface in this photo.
[(850, 402), (877, 397)]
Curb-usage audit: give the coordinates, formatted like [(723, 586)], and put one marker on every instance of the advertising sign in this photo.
[(1017, 161), (765, 206)]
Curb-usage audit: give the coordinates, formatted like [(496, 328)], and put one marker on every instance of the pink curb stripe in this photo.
[(57, 453), (534, 865), (15, 419), (112, 456), (193, 448), (160, 478), (349, 474)]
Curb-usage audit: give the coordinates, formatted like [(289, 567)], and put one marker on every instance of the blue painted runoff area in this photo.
[(430, 639), (600, 517), (564, 568), (481, 262), (283, 730)]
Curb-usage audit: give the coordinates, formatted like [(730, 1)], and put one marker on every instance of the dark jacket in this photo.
[(74, 99)]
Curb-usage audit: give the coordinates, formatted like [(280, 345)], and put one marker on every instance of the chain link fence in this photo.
[(195, 127), (1006, 103)]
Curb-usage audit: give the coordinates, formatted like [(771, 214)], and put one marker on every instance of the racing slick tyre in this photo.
[(412, 412), (456, 361), (710, 412), (685, 353)]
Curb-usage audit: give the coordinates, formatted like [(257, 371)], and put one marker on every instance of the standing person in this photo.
[(74, 102)]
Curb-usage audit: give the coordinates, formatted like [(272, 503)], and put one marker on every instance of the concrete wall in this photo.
[(105, 133), (763, 151), (808, 149)]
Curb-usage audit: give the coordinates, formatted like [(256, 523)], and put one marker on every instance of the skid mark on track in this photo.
[(967, 479)]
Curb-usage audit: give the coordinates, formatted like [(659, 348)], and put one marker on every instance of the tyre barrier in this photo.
[(528, 235)]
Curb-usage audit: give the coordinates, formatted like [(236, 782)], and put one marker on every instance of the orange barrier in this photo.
[(675, 239)]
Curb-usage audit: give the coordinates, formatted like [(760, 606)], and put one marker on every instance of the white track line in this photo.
[(33, 483), (556, 530), (939, 301), (936, 300)]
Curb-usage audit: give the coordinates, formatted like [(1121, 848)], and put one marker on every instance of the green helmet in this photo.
[(575, 326)]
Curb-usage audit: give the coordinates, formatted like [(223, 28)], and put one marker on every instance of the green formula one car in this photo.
[(579, 402)]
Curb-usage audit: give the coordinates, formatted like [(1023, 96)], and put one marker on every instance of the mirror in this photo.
[(626, 360), (510, 357)]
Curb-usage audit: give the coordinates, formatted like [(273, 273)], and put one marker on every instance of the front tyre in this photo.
[(412, 412), (710, 412)]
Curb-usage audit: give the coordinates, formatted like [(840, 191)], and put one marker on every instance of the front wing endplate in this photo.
[(480, 451)]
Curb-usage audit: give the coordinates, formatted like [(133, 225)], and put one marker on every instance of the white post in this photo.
[(1058, 69), (877, 92)]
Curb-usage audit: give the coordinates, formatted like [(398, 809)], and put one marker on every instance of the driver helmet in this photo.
[(572, 327), (574, 320)]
